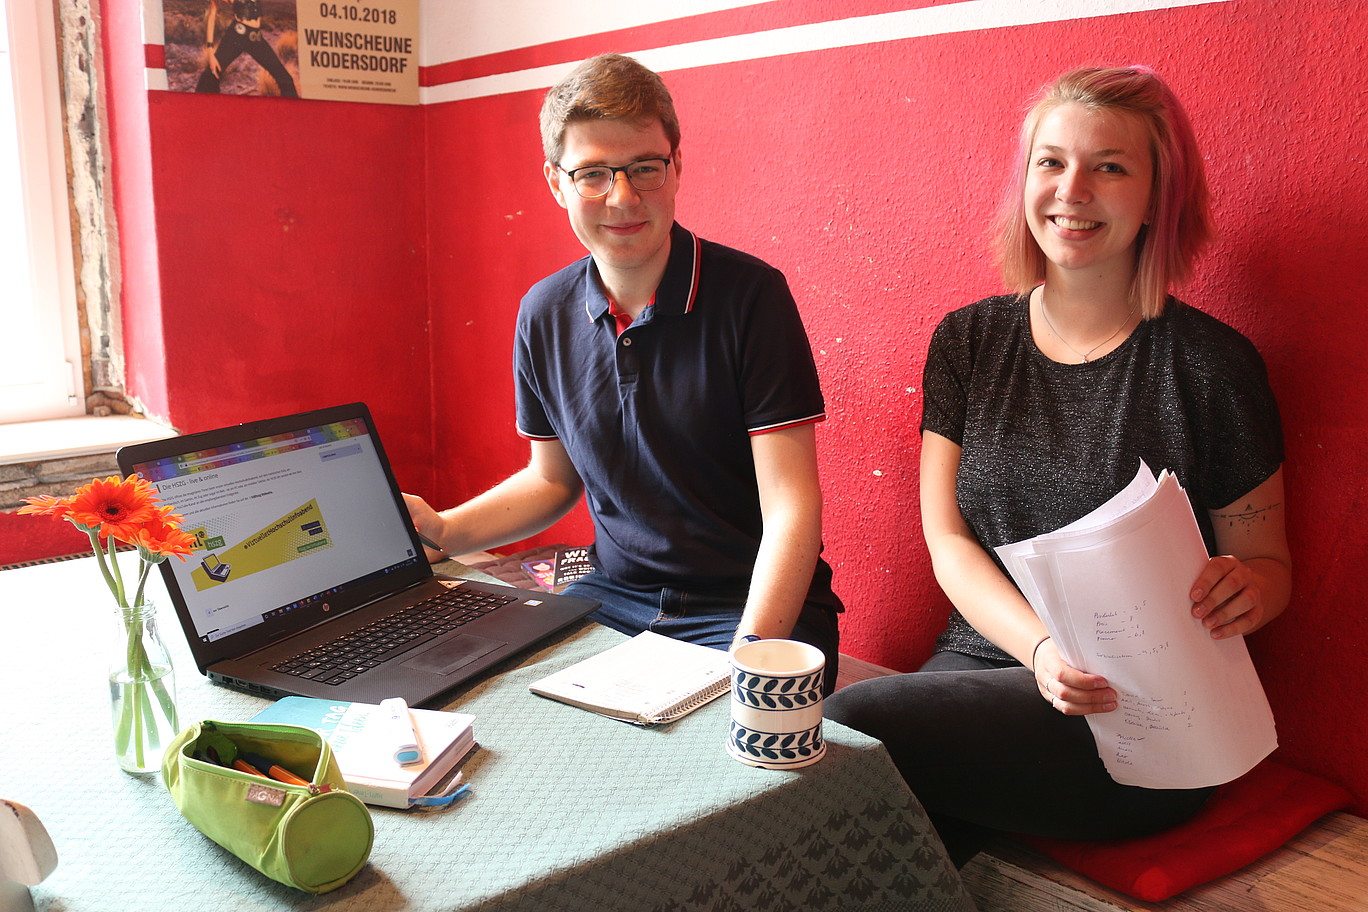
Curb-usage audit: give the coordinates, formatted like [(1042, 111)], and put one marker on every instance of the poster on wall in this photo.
[(365, 51)]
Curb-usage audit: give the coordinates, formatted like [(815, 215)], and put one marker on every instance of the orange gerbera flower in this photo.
[(47, 505), (161, 537), (115, 506)]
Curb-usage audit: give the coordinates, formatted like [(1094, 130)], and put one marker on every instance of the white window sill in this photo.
[(58, 438)]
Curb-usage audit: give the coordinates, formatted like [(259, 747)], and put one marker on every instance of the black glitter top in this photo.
[(1044, 443)]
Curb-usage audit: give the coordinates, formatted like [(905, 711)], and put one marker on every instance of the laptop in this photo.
[(309, 578)]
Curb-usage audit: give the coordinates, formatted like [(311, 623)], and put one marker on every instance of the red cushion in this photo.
[(1243, 821)]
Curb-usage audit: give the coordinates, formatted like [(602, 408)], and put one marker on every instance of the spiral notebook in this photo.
[(647, 680)]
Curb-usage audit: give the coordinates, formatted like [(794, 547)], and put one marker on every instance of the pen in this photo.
[(439, 800), (429, 542), (408, 751), (242, 766), (273, 770)]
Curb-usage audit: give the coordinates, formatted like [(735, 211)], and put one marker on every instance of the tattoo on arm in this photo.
[(1248, 517)]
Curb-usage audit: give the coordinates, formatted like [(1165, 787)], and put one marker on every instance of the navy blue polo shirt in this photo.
[(657, 420)]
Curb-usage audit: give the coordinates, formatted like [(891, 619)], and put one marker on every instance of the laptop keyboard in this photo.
[(381, 640)]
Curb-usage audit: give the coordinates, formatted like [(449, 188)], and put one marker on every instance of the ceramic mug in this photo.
[(776, 706)]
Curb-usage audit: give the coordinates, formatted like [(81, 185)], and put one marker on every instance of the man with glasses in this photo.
[(670, 380)]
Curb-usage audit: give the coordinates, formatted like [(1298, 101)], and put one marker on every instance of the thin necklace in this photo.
[(1087, 354)]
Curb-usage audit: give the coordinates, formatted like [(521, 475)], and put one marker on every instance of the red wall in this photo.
[(281, 255)]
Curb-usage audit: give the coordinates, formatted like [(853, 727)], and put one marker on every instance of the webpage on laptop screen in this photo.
[(280, 522)]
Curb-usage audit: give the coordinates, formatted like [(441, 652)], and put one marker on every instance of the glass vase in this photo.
[(142, 690)]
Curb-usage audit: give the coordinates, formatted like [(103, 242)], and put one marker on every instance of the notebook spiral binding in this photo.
[(693, 701)]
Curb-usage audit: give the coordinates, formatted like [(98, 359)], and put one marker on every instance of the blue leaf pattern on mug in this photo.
[(771, 747), (794, 692)]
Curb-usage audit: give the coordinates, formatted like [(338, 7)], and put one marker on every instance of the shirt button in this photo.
[(627, 340)]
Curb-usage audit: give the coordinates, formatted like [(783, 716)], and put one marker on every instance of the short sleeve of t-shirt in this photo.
[(532, 421), (946, 375), (1225, 379), (779, 380), (553, 311)]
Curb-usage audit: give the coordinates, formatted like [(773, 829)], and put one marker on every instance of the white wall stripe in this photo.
[(454, 30), (971, 15)]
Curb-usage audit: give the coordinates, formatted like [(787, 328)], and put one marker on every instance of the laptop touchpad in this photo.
[(446, 657)]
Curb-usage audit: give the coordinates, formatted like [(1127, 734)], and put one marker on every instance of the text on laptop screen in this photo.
[(279, 521)]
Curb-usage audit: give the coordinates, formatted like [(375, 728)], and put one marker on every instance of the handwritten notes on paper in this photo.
[(1112, 589)]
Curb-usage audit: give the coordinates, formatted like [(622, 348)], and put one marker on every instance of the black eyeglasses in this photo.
[(594, 181)]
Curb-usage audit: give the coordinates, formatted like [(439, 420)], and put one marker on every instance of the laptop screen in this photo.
[(292, 526)]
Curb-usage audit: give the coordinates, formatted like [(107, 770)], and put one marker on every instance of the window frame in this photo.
[(36, 64)]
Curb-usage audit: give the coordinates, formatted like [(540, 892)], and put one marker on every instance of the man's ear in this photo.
[(552, 174), (675, 163)]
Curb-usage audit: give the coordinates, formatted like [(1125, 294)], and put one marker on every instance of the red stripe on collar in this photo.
[(693, 279)]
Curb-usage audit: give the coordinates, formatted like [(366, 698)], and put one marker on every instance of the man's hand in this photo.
[(429, 524)]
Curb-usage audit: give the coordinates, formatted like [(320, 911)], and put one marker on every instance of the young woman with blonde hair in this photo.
[(1038, 406)]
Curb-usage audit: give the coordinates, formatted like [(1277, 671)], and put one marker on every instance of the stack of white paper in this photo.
[(1112, 589)]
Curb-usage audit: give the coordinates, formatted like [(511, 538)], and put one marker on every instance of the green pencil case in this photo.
[(314, 837)]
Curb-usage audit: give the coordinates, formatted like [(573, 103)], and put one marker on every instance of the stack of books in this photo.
[(376, 759)]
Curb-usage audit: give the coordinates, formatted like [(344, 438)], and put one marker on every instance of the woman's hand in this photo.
[(1227, 598), (1068, 690), (1250, 582)]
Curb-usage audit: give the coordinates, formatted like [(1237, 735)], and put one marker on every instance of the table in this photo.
[(567, 810)]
